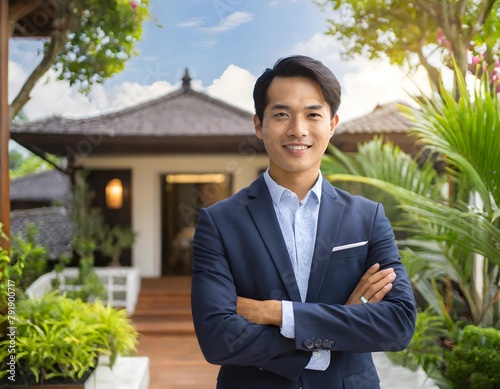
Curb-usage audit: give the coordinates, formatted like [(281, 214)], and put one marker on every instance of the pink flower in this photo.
[(133, 5), (475, 59), (495, 78), (441, 39), (440, 36)]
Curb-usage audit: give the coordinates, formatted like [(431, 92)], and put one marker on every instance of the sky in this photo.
[(226, 45)]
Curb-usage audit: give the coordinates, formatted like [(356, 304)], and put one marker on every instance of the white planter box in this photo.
[(127, 373), (122, 285)]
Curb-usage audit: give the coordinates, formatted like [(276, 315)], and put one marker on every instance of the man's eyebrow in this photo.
[(287, 107), (280, 106), (314, 107)]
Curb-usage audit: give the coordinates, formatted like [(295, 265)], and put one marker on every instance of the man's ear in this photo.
[(258, 127), (333, 124)]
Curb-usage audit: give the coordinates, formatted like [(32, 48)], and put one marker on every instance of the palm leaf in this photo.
[(467, 132)]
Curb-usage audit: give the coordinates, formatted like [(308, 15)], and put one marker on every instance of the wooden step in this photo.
[(164, 307), (163, 327)]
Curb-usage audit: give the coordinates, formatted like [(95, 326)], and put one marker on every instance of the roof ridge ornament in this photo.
[(186, 80)]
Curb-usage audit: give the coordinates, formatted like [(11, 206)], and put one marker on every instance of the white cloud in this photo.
[(321, 47), (275, 3), (17, 76), (230, 22), (191, 23), (52, 97), (235, 86)]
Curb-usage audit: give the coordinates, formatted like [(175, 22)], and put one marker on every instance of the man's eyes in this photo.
[(285, 115)]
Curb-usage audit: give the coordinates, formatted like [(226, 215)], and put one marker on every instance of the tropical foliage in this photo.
[(21, 164), (451, 214), (62, 337), (467, 32), (26, 249)]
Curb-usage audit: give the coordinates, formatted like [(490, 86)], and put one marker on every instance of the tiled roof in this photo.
[(54, 228), (386, 118), (184, 112), (50, 185)]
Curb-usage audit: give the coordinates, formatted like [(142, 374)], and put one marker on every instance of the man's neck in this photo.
[(298, 183)]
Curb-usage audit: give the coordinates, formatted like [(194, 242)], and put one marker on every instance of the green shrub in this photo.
[(474, 362), (62, 337), (26, 249)]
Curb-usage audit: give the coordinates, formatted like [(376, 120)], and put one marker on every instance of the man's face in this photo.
[(296, 127)]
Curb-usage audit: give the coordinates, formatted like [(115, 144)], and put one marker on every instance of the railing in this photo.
[(122, 285)]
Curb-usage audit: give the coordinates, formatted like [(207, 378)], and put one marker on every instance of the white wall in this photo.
[(146, 192)]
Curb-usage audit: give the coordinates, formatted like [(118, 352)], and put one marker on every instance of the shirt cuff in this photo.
[(287, 320), (320, 360)]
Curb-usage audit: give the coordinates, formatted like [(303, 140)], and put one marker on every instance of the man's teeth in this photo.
[(297, 147)]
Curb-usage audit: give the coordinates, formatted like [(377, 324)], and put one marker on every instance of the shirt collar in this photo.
[(277, 190)]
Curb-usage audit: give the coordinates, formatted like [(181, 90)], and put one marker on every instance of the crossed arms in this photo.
[(239, 331)]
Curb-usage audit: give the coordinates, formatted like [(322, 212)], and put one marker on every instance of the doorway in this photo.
[(182, 197)]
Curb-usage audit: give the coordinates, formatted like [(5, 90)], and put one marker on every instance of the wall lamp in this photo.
[(114, 194)]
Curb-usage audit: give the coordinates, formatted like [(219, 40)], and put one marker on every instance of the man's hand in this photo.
[(373, 286), (266, 312)]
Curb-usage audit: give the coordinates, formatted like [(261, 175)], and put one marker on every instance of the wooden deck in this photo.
[(163, 319)]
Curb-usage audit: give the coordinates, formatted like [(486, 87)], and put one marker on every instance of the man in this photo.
[(296, 282)]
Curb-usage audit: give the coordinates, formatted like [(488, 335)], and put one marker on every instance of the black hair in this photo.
[(297, 66)]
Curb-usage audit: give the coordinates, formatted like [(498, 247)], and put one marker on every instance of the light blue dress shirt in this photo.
[(298, 221)]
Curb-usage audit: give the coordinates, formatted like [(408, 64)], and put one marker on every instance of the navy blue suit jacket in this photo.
[(239, 250)]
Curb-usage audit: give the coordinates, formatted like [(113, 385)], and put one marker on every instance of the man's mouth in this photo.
[(296, 147)]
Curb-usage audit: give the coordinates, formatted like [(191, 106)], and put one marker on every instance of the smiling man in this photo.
[(296, 282)]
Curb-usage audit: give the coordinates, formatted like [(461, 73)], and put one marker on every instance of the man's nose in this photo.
[(298, 127)]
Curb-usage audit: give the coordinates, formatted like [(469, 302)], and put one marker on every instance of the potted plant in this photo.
[(58, 341)]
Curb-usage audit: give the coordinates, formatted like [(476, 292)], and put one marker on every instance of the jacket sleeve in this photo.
[(224, 336), (384, 326)]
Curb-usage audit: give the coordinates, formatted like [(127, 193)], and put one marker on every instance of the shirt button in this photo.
[(316, 354)]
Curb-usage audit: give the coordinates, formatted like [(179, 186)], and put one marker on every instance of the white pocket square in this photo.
[(349, 246)]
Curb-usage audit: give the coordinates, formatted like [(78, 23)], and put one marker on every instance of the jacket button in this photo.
[(309, 344), (326, 343), (318, 343), (332, 344)]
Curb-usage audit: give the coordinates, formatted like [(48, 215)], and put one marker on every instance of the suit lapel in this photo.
[(330, 217), (262, 211)]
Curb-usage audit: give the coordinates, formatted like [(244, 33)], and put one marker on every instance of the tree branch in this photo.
[(483, 14), (424, 4), (20, 8), (58, 39), (431, 70)]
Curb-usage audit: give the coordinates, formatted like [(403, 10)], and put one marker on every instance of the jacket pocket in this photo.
[(367, 379), (349, 253)]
